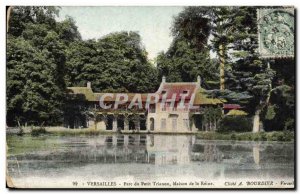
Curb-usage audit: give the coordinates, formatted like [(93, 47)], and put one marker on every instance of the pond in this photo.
[(164, 161)]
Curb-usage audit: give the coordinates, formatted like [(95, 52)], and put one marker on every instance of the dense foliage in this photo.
[(235, 124), (44, 56), (36, 46), (114, 63), (231, 32), (188, 55), (258, 85)]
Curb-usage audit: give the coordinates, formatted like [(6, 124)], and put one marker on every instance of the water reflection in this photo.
[(256, 154), (191, 155)]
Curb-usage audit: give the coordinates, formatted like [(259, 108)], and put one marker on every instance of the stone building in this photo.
[(181, 107)]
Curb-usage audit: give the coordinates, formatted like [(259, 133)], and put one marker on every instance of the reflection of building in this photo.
[(144, 149), (120, 149), (170, 149), (207, 153), (151, 156), (180, 108), (153, 149)]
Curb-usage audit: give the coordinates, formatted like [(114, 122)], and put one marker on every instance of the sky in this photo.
[(152, 23)]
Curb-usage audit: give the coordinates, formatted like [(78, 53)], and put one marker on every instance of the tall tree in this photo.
[(280, 114), (36, 46), (232, 34), (248, 74), (188, 55), (116, 62), (23, 15)]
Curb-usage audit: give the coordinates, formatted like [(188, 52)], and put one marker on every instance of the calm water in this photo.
[(58, 161)]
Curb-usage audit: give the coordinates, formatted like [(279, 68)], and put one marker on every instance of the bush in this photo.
[(256, 138), (235, 124), (280, 136), (263, 136), (288, 136), (289, 124), (20, 131), (233, 137), (38, 131)]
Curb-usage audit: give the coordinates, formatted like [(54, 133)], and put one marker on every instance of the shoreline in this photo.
[(279, 136)]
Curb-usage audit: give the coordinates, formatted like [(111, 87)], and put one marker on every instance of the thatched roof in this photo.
[(200, 98), (235, 112), (113, 96), (89, 95)]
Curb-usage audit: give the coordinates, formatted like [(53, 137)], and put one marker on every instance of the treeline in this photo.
[(45, 56), (265, 88)]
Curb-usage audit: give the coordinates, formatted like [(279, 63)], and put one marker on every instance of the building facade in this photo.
[(181, 107)]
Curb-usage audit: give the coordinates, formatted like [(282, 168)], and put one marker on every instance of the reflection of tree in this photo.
[(256, 154)]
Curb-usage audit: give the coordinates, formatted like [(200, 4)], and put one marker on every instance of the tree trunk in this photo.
[(222, 67), (256, 121)]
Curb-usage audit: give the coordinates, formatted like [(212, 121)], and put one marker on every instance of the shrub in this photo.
[(233, 137), (280, 137), (256, 138), (38, 131), (263, 136), (235, 124), (289, 125), (20, 131), (288, 136)]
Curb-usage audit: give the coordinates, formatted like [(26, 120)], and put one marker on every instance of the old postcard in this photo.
[(141, 97)]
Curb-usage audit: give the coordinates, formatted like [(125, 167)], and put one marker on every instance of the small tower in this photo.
[(199, 80)]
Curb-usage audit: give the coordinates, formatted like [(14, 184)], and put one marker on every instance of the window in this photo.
[(163, 92), (185, 92), (174, 123), (163, 124), (173, 107), (186, 123), (152, 108)]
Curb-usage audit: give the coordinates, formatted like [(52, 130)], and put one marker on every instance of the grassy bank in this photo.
[(285, 136), (85, 131), (103, 132), (65, 131)]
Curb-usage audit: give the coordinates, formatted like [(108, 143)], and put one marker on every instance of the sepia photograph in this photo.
[(150, 97)]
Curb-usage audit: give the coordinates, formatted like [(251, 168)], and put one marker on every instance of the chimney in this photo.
[(89, 85), (163, 79), (199, 80)]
